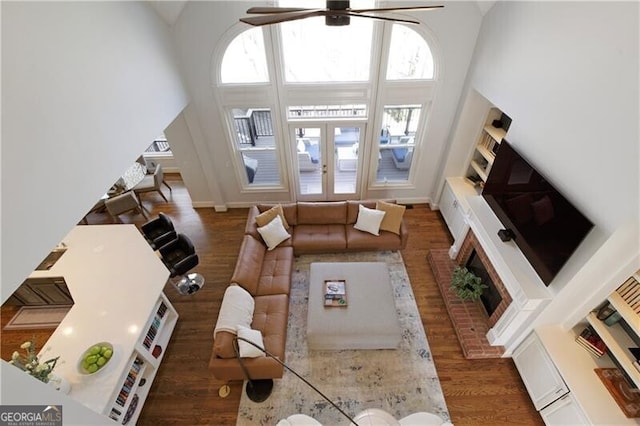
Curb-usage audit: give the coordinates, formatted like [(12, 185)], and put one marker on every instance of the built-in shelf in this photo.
[(486, 147), (618, 342), (495, 133)]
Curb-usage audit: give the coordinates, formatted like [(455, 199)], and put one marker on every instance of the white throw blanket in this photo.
[(236, 309)]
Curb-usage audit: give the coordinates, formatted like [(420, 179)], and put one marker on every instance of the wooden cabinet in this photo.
[(540, 376), (43, 291)]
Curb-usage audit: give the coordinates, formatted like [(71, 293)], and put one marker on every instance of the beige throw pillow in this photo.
[(393, 216), (266, 217)]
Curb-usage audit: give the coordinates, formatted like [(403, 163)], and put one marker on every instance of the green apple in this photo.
[(95, 350), (92, 368), (101, 361), (107, 354)]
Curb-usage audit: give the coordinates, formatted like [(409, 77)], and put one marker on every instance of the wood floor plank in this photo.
[(185, 393)]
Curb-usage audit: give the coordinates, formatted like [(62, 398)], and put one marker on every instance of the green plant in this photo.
[(466, 284), (29, 362)]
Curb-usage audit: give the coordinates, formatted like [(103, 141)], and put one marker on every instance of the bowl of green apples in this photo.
[(95, 358)]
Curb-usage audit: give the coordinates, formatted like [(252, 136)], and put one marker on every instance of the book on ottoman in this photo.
[(335, 293)]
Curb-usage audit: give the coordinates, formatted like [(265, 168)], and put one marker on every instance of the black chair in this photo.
[(179, 256), (159, 231)]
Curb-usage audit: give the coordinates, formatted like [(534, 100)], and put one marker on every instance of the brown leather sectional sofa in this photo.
[(315, 227)]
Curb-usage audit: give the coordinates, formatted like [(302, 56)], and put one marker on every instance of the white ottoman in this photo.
[(369, 321)]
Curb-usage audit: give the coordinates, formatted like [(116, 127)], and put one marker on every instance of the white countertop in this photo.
[(115, 279)]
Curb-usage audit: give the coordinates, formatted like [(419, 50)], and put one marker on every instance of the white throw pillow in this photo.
[(273, 233), (247, 350), (369, 220)]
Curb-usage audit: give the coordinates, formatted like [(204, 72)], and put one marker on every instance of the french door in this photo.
[(328, 159)]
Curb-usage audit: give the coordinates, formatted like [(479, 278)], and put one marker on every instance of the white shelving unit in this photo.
[(484, 153), (144, 363)]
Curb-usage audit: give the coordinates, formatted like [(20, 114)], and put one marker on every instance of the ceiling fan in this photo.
[(337, 13)]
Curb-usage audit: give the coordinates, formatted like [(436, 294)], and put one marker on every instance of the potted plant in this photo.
[(466, 284)]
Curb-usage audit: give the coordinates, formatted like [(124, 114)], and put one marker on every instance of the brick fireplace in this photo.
[(469, 246)]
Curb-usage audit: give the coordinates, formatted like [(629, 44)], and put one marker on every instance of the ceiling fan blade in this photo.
[(266, 10), (282, 17), (384, 18), (392, 9)]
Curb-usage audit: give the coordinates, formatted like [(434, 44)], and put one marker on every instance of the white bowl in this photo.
[(87, 351)]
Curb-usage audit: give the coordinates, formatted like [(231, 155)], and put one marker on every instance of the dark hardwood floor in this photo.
[(477, 392)]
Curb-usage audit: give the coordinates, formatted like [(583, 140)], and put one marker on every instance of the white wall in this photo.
[(202, 25), (86, 87), (567, 74)]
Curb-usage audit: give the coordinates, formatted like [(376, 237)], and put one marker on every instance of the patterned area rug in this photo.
[(401, 382)]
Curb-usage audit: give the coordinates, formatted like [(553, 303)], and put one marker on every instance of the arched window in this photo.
[(410, 57), (319, 67), (245, 60)]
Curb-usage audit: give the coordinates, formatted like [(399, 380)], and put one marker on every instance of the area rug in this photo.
[(401, 382), (33, 317)]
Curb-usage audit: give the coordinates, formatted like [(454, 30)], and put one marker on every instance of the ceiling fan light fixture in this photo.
[(337, 20)]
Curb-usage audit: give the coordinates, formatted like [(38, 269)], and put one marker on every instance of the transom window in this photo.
[(328, 111)]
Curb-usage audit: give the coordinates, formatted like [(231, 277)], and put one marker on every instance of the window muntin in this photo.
[(327, 111), (245, 59), (410, 57), (255, 146)]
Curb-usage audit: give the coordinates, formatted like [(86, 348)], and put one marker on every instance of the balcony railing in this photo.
[(254, 124)]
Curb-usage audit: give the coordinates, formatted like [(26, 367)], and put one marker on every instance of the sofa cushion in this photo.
[(353, 208), (270, 316), (392, 218), (264, 218), (358, 240), (319, 238), (249, 264), (369, 220), (273, 233), (322, 213), (275, 274), (290, 211)]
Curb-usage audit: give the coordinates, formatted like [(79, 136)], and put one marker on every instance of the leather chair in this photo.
[(152, 183), (159, 231), (123, 203), (179, 256)]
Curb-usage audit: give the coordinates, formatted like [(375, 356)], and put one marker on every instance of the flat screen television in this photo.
[(543, 223)]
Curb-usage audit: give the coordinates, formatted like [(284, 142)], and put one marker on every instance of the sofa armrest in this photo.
[(251, 228), (404, 235)]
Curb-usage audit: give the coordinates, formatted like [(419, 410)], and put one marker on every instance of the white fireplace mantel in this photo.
[(527, 290)]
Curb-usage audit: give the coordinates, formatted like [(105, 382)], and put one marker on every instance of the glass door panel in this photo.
[(347, 143), (309, 162), (327, 160)]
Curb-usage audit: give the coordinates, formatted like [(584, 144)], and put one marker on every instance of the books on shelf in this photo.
[(335, 293), (590, 340)]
